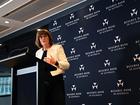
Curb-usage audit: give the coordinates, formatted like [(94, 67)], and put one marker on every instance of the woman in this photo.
[(53, 54)]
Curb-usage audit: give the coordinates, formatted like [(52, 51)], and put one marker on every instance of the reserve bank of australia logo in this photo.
[(54, 23), (81, 30), (134, 12), (120, 83), (73, 88), (136, 57), (91, 8), (95, 85), (107, 63), (72, 16), (105, 22), (72, 51), (117, 39), (82, 67), (93, 45)]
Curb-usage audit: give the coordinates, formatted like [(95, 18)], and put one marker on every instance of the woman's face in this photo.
[(44, 40)]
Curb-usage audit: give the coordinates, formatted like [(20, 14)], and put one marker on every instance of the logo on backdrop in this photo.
[(73, 88), (117, 39), (107, 69), (136, 58), (56, 26), (74, 92), (93, 45), (72, 16), (60, 40), (91, 8), (106, 27), (120, 83), (55, 23), (81, 34), (137, 42), (109, 103), (82, 73), (115, 4), (105, 22), (95, 85), (117, 44), (82, 67), (73, 55), (134, 12), (121, 90), (134, 18), (72, 20), (73, 51), (107, 63), (93, 50), (81, 30), (135, 66), (95, 92), (92, 12)]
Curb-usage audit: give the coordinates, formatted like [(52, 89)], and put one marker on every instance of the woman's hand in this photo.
[(57, 72), (50, 60)]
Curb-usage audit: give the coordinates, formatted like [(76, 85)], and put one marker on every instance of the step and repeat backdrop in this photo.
[(102, 44)]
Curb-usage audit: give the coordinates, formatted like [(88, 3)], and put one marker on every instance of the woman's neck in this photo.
[(46, 47)]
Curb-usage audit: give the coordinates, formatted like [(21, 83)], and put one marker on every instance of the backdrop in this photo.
[(102, 43)]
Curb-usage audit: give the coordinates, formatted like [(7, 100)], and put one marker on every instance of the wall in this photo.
[(102, 43)]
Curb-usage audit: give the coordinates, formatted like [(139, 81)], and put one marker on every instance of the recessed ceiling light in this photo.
[(7, 22)]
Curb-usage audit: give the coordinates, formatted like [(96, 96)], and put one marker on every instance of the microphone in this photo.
[(2, 45), (18, 51)]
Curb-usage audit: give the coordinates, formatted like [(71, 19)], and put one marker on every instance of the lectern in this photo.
[(29, 78)]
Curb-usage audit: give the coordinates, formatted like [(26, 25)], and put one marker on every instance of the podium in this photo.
[(30, 77)]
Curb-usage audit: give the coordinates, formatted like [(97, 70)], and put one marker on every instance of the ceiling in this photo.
[(18, 14)]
